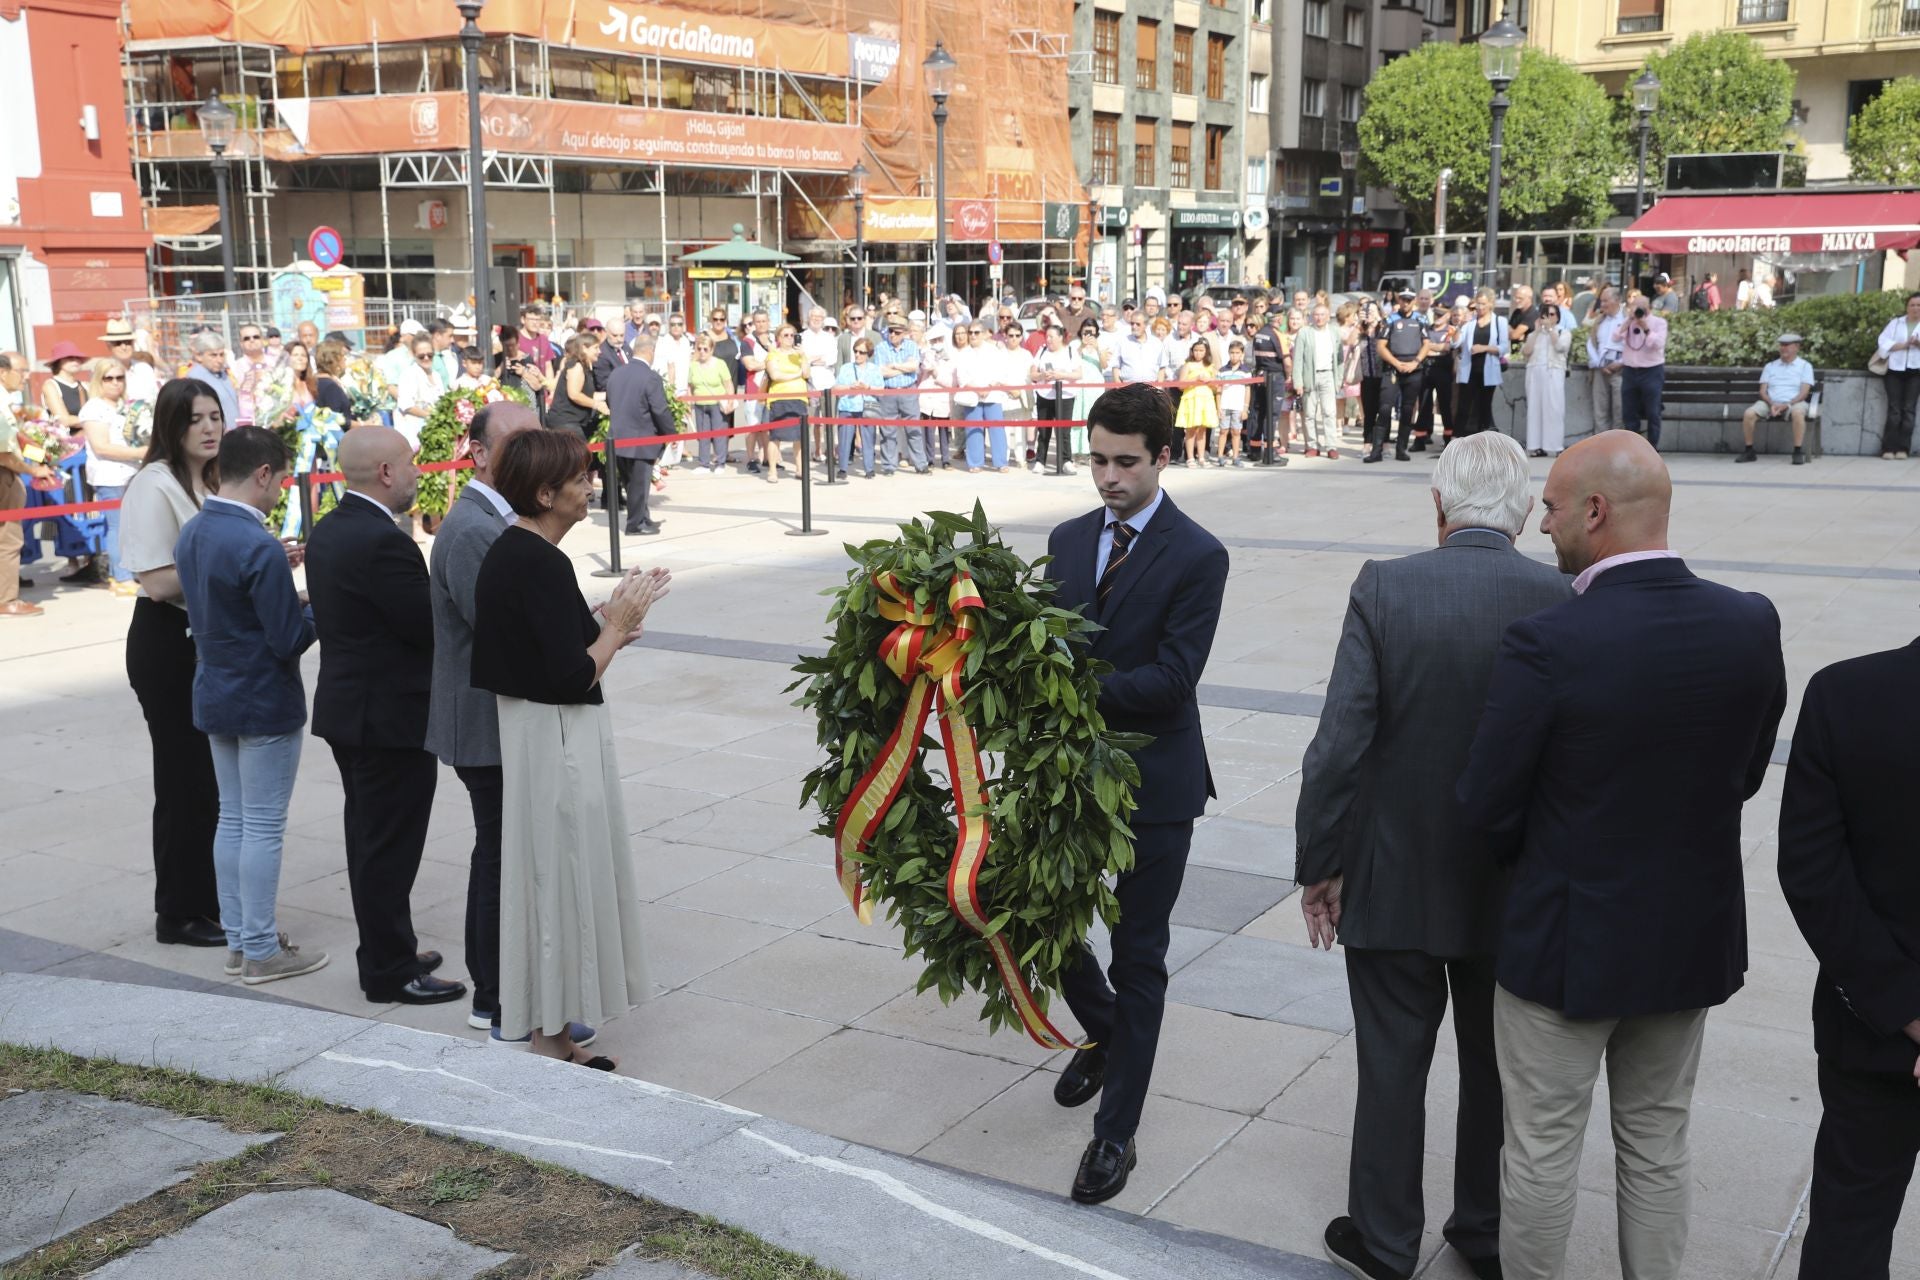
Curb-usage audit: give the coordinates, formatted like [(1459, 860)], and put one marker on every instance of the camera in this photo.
[(1639, 313)]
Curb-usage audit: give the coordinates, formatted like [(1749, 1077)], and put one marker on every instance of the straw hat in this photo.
[(117, 331)]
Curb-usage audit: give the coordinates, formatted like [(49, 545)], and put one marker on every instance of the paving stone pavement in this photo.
[(770, 994), (314, 1234), (67, 1159)]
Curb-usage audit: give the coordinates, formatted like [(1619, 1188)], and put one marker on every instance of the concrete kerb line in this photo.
[(916, 1220)]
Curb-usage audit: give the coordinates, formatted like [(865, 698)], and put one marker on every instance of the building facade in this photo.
[(1158, 122), (73, 246)]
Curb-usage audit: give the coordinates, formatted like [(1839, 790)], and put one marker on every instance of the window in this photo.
[(1356, 21), (1217, 67), (1257, 176), (1893, 17), (1641, 15), (1106, 150), (1216, 157), (1297, 179), (1351, 102), (1183, 60), (1263, 11), (1316, 24), (1259, 93), (1180, 157), (1144, 171), (1313, 97), (1762, 11), (1146, 55), (1106, 48)]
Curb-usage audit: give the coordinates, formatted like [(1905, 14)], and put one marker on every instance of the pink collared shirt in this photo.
[(1644, 350), (1598, 567)]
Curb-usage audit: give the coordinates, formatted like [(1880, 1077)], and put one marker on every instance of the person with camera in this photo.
[(1643, 371)]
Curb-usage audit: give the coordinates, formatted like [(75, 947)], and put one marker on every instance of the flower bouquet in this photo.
[(312, 436), (444, 439), (368, 390), (273, 399), (45, 444), (136, 426)]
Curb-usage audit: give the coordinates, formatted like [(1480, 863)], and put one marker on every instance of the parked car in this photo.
[(1029, 312)]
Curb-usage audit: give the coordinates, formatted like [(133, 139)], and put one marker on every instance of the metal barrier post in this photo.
[(610, 469), (305, 485), (1062, 436), (1273, 421), (832, 445), (803, 452)]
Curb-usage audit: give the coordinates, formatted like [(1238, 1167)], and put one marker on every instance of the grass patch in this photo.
[(559, 1224)]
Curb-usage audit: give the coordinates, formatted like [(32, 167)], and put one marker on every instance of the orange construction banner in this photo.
[(691, 36), (576, 130)]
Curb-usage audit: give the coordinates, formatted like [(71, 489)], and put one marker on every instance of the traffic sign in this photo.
[(994, 252), (325, 247)]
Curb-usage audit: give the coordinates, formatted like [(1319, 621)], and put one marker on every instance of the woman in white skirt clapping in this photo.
[(569, 913)]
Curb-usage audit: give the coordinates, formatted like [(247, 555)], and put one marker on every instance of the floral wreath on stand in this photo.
[(995, 871), (444, 439)]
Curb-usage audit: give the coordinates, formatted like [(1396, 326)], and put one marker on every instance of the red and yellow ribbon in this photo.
[(928, 662)]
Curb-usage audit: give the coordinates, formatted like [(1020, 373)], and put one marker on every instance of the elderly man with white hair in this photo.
[(1391, 870), (209, 365)]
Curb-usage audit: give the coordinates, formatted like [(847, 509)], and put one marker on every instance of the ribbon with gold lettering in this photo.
[(928, 662)]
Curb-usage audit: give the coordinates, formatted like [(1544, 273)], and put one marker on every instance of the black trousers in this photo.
[(485, 792), (388, 803), (1862, 1162), (1475, 404), (1255, 429), (1125, 1017), (1903, 385), (1048, 409), (1641, 400), (1400, 395), (636, 483), (186, 797), (1399, 1000)]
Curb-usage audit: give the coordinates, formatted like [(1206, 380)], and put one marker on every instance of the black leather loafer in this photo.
[(1103, 1170), (193, 931), (424, 989), (1082, 1078), (1349, 1252)]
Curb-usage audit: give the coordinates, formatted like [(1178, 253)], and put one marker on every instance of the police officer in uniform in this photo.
[(1272, 368), (1403, 349)]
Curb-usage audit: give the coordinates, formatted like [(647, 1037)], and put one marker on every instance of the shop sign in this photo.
[(1363, 241), (1206, 218), (1063, 220), (972, 220), (682, 35), (1113, 217), (872, 58), (1331, 188)]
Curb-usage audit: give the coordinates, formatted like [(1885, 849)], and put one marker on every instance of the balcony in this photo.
[(1892, 19)]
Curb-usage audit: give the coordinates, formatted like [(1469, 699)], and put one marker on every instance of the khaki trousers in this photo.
[(1548, 1065), (1606, 401), (13, 495)]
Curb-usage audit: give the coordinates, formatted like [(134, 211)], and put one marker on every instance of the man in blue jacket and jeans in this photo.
[(250, 627)]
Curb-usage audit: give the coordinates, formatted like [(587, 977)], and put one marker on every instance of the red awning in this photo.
[(1779, 223)]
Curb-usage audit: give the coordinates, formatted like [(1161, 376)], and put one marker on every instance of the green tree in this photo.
[(1719, 93), (1432, 110), (1884, 139)]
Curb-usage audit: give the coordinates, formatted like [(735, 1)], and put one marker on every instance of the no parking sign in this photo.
[(325, 247)]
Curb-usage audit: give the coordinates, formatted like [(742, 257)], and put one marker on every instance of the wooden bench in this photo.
[(1723, 395)]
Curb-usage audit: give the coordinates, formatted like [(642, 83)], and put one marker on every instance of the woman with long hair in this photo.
[(306, 379), (576, 406), (166, 492), (111, 460)]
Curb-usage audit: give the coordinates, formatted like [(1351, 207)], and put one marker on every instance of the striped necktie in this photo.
[(1123, 537)]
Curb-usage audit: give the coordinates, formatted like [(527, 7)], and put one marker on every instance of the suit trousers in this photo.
[(486, 792), (1862, 1163), (636, 483), (1548, 1065), (1606, 400), (1399, 1001), (186, 794), (389, 800), (1125, 1017), (1400, 395), (1641, 391)]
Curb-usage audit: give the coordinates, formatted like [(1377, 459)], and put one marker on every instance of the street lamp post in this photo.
[(938, 70), (470, 37), (1646, 96), (217, 122), (857, 180), (1500, 63)]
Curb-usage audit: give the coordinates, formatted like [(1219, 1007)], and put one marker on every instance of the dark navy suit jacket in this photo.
[(1623, 731), (637, 406), (1159, 618)]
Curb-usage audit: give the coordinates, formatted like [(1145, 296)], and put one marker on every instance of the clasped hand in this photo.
[(626, 610)]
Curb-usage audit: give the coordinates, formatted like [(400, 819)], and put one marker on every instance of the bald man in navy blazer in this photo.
[(1154, 580)]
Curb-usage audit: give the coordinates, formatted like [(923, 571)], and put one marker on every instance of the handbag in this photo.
[(1877, 365), (1350, 391)]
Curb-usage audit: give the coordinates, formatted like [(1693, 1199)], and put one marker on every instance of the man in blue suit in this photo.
[(1622, 733), (1154, 580)]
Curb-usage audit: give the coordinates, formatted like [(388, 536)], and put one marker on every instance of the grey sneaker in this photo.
[(287, 962), (236, 960)]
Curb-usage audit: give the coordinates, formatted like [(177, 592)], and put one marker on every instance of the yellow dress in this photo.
[(1198, 408)]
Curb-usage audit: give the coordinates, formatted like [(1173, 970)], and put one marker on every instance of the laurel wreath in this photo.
[(442, 436), (1060, 784)]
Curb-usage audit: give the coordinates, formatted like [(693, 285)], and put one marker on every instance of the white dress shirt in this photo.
[(1137, 522), (1598, 567), (492, 495)]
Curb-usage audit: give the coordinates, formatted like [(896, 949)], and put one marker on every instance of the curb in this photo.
[(871, 1214)]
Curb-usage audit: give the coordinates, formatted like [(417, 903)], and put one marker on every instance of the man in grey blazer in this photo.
[(1389, 866), (463, 726)]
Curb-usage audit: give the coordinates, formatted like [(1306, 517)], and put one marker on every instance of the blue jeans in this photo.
[(1641, 391), (986, 441), (112, 493), (846, 432), (255, 773)]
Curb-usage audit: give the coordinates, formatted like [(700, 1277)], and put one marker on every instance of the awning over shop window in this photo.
[(1782, 225)]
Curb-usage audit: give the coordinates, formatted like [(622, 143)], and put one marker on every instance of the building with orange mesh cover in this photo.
[(619, 137)]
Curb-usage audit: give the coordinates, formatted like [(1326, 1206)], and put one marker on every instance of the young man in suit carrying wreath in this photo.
[(1153, 579)]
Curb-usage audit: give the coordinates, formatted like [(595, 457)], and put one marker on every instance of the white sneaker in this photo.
[(1034, 467), (1066, 468), (287, 962)]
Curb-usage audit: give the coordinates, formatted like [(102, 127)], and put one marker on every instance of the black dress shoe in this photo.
[(1103, 1170), (424, 989), (1484, 1268), (1349, 1252), (650, 529), (1082, 1078), (192, 931), (430, 960)]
